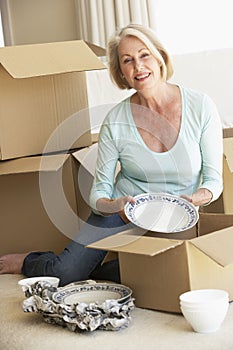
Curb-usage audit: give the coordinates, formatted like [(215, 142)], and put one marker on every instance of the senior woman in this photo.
[(167, 138)]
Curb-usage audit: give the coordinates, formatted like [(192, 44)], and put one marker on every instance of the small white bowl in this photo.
[(206, 303), (200, 296), (26, 282), (205, 320), (205, 309)]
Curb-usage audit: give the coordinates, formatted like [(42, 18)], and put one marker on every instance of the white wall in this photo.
[(194, 25), (211, 72)]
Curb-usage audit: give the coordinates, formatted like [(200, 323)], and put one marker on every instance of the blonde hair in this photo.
[(149, 38)]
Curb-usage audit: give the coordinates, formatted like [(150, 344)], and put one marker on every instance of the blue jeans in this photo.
[(77, 262)]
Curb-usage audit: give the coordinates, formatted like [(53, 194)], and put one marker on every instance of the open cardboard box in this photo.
[(34, 215), (42, 86), (26, 221), (159, 269)]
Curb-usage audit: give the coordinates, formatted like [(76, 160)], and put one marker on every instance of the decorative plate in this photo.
[(161, 212), (91, 293)]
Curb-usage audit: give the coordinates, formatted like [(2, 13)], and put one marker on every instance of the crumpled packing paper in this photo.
[(111, 314)]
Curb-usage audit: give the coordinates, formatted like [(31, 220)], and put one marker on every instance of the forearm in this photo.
[(212, 155)]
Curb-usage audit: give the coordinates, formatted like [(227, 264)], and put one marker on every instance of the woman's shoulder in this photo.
[(199, 107), (192, 93), (195, 95), (118, 112)]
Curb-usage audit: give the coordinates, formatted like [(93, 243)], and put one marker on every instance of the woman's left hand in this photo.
[(200, 197)]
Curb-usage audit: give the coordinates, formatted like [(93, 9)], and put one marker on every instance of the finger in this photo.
[(130, 199)]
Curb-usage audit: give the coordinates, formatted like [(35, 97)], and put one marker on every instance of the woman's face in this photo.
[(138, 66)]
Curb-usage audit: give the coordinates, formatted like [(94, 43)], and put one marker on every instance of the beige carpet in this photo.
[(147, 330)]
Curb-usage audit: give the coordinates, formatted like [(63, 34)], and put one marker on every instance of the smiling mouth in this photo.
[(142, 76)]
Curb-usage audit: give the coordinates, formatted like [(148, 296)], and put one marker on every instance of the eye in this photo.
[(127, 60), (145, 54)]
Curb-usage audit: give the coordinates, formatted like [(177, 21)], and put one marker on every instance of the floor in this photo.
[(148, 329)]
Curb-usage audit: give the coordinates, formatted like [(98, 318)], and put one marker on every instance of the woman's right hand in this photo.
[(202, 196), (108, 206)]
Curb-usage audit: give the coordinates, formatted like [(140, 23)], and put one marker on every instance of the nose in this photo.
[(137, 65)]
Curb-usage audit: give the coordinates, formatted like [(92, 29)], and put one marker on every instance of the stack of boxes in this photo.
[(43, 116)]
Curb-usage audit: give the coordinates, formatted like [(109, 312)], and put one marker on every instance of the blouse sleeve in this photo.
[(211, 145), (103, 183)]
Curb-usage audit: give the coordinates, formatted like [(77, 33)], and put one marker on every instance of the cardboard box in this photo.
[(159, 269), (224, 204), (227, 132), (43, 86), (228, 176), (35, 214)]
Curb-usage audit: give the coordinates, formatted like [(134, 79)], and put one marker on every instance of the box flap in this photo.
[(25, 61), (227, 149), (126, 242), (98, 50), (212, 222), (87, 157), (217, 245), (32, 164)]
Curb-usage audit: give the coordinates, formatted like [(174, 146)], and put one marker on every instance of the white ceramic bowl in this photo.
[(205, 320), (204, 296), (205, 309), (26, 282), (207, 303)]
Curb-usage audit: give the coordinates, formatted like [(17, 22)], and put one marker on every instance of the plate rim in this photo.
[(89, 288), (170, 196)]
